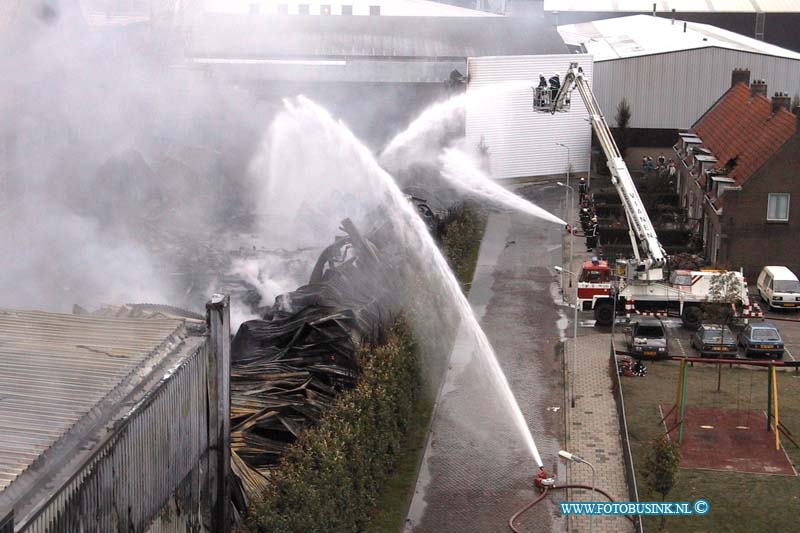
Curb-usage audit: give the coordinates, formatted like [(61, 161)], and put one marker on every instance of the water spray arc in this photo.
[(418, 238)]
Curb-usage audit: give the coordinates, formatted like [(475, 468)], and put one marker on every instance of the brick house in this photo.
[(739, 178)]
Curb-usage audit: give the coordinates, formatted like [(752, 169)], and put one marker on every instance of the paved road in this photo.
[(476, 471)]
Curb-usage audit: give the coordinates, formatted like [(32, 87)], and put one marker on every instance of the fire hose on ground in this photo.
[(546, 483)]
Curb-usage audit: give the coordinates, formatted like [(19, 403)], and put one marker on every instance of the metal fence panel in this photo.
[(619, 400)]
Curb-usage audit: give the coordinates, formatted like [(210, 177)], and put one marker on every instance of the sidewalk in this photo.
[(593, 432)]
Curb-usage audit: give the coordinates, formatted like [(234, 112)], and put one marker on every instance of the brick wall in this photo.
[(751, 241)]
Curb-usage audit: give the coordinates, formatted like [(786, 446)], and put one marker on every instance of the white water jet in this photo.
[(428, 128), (306, 119), (462, 171)]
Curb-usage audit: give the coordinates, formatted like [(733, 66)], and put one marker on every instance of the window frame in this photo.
[(788, 205)]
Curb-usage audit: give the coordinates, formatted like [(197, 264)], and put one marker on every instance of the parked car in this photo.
[(762, 339), (779, 287), (648, 339), (715, 340)]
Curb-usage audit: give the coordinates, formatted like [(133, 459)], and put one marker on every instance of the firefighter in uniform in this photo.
[(582, 190), (591, 235)]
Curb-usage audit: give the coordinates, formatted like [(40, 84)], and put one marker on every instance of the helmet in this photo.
[(556, 74), (594, 219), (583, 179), (541, 74)]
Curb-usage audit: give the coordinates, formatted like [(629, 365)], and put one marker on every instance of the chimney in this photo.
[(781, 100), (684, 27), (673, 16), (740, 75), (758, 87), (654, 10)]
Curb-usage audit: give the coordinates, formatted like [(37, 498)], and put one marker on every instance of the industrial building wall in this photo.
[(673, 90), (522, 142)]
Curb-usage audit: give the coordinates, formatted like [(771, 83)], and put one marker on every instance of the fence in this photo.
[(619, 400)]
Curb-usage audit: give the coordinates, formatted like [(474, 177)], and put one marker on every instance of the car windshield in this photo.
[(766, 334), (652, 332), (715, 335), (787, 285)]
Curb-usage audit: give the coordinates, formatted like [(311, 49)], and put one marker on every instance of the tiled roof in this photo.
[(744, 128)]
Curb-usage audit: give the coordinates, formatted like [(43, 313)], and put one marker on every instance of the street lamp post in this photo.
[(572, 229), (574, 338), (569, 164), (589, 171), (575, 459)]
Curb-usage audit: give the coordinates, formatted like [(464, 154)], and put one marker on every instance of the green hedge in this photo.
[(329, 479), (461, 239)]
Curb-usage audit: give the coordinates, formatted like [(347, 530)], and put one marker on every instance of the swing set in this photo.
[(720, 438)]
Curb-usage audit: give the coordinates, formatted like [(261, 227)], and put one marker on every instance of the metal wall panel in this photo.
[(499, 114), (674, 90), (133, 475)]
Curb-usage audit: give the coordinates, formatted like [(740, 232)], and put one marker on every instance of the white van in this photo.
[(779, 287)]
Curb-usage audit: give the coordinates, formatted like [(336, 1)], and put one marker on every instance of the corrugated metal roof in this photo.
[(55, 368), (685, 6), (641, 35), (388, 8), (241, 36)]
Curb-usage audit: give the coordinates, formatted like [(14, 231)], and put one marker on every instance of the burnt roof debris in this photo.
[(288, 367)]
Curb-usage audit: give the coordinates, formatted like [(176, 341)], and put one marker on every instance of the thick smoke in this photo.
[(112, 160)]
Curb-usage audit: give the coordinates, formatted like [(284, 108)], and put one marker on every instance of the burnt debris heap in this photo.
[(288, 367)]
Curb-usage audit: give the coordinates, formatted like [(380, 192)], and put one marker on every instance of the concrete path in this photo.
[(476, 471), (593, 432)]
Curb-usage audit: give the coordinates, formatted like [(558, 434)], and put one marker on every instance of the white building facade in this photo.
[(522, 142)]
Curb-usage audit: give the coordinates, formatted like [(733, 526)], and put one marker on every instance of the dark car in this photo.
[(648, 339), (761, 339), (714, 340)]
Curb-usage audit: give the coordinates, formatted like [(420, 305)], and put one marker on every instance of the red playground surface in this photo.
[(728, 440)]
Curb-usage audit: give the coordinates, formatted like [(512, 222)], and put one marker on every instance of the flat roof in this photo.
[(641, 35), (388, 8), (56, 369), (665, 6), (297, 38)]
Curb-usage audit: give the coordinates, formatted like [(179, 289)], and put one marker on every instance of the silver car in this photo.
[(648, 339)]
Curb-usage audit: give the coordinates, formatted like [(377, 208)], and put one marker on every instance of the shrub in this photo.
[(329, 479), (461, 239)]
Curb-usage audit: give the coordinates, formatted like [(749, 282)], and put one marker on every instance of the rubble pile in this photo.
[(288, 367)]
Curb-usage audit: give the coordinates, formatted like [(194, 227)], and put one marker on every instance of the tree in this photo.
[(724, 293), (623, 119), (661, 467)]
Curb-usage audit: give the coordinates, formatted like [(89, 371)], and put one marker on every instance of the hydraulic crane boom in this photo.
[(652, 257)]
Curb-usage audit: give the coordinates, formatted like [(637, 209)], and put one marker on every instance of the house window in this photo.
[(283, 9), (302, 9), (374, 10), (347, 10), (324, 9), (778, 207)]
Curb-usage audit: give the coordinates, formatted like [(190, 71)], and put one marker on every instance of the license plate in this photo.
[(766, 346), (650, 353), (789, 305), (719, 348)]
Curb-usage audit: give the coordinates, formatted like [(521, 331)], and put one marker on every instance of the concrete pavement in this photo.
[(593, 432), (476, 471)]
